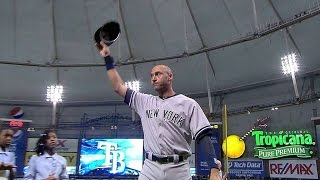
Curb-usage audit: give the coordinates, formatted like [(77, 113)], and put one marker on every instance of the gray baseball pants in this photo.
[(152, 170)]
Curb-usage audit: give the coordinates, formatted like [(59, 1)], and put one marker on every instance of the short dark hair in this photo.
[(6, 129)]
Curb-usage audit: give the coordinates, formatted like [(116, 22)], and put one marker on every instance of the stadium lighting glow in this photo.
[(289, 64), (289, 67), (54, 93), (134, 85)]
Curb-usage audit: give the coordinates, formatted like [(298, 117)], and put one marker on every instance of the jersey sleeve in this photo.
[(136, 100), (198, 121)]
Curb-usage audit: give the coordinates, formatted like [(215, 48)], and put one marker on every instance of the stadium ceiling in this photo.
[(220, 45)]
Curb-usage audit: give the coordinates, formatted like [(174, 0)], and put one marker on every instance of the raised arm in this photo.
[(116, 80)]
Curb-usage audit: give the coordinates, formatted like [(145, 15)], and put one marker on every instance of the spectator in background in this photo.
[(7, 159), (47, 164)]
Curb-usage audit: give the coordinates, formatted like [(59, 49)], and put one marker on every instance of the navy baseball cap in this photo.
[(108, 33)]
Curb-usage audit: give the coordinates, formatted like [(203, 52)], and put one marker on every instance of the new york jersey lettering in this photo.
[(152, 113), (173, 117)]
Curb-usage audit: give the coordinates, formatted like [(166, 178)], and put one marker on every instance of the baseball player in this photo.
[(169, 122)]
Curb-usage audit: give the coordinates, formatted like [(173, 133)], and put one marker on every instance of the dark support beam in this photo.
[(201, 38), (287, 31), (313, 96), (128, 39), (298, 18), (257, 85), (125, 30), (247, 87)]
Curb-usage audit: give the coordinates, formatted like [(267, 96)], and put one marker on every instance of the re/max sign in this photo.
[(293, 169)]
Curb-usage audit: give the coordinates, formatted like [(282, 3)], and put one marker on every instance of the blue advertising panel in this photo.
[(19, 147), (202, 167), (216, 143), (246, 168), (318, 139), (105, 157)]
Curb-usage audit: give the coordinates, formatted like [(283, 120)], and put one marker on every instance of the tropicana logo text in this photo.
[(282, 144)]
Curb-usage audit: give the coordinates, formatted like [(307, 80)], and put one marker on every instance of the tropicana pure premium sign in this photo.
[(272, 145)]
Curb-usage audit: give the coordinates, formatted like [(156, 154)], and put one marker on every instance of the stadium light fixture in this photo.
[(290, 66), (134, 85), (54, 95)]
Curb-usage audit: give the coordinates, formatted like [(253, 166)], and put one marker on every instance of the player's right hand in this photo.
[(104, 51)]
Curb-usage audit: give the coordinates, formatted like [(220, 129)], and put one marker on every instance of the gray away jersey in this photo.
[(168, 124)]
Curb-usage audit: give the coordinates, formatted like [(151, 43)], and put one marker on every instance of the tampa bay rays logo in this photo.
[(114, 158)]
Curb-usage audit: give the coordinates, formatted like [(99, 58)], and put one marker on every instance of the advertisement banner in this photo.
[(215, 139), (202, 167), (295, 169), (318, 138), (19, 146), (70, 157), (104, 157), (246, 168), (293, 150), (63, 145), (273, 145)]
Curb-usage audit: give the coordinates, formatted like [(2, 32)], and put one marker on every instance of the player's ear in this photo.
[(170, 76)]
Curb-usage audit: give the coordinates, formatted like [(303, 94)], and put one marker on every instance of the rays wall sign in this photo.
[(273, 145)]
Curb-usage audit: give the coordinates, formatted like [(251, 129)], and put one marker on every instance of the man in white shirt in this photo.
[(7, 159)]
